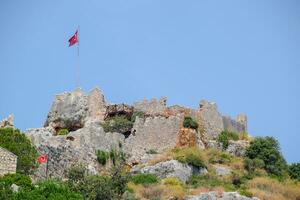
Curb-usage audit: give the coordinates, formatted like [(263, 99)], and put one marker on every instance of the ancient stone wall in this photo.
[(8, 162), (233, 125), (153, 133), (152, 106)]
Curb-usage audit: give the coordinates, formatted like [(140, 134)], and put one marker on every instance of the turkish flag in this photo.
[(74, 39), (42, 159)]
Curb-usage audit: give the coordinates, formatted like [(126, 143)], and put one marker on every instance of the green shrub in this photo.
[(209, 181), (102, 157), (18, 179), (251, 165), (118, 124), (188, 122), (225, 136), (63, 131), (50, 190), (16, 142), (171, 181), (139, 114), (267, 149), (144, 179), (192, 156), (76, 174), (294, 171)]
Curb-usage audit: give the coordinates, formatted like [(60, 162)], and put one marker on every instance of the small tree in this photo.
[(294, 171), (16, 142), (188, 122), (267, 149)]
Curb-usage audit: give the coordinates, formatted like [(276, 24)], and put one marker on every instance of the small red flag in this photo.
[(74, 39), (42, 159)]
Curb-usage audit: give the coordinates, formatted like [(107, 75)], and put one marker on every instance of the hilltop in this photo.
[(170, 152)]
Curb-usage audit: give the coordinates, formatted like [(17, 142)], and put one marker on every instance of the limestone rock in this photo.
[(237, 148), (7, 122), (15, 188), (96, 106), (234, 125), (68, 110), (210, 120), (189, 138), (158, 133), (217, 196), (78, 147), (72, 110), (119, 109), (222, 170), (172, 168), (214, 144)]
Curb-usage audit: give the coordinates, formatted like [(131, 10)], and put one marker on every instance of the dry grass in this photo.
[(270, 189), (167, 155), (158, 191)]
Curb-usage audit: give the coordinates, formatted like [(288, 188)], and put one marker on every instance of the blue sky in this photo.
[(244, 55)]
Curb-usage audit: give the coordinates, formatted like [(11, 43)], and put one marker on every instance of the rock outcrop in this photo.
[(217, 196), (78, 147), (237, 148), (173, 168), (7, 122), (72, 110), (152, 107)]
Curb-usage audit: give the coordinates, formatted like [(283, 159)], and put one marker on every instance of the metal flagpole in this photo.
[(78, 64)]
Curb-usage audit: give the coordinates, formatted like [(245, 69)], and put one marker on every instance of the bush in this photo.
[(294, 171), (188, 122), (16, 142), (76, 174), (118, 124), (139, 114), (267, 149), (192, 156), (18, 179), (51, 190), (251, 165), (63, 132), (144, 179), (209, 181), (171, 181), (102, 157), (225, 136), (216, 156)]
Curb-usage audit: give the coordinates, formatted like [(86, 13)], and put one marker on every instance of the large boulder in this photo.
[(173, 168), (218, 196)]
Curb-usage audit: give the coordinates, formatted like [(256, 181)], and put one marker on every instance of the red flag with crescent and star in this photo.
[(42, 159), (74, 39)]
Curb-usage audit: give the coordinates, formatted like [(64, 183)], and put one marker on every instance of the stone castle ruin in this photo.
[(8, 162), (160, 127)]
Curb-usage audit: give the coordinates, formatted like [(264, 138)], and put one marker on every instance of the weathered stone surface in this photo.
[(119, 109), (152, 133), (214, 144), (68, 110), (15, 188), (222, 170), (172, 168), (78, 147), (189, 138), (217, 196), (242, 119), (8, 162), (233, 125), (237, 148), (152, 107), (96, 106), (210, 120), (7, 122), (72, 110)]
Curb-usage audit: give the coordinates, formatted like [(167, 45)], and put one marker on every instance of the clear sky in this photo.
[(244, 55)]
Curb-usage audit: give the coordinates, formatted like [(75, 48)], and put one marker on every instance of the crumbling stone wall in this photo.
[(152, 133), (152, 107), (8, 162)]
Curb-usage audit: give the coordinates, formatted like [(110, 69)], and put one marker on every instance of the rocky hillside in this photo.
[(166, 152)]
